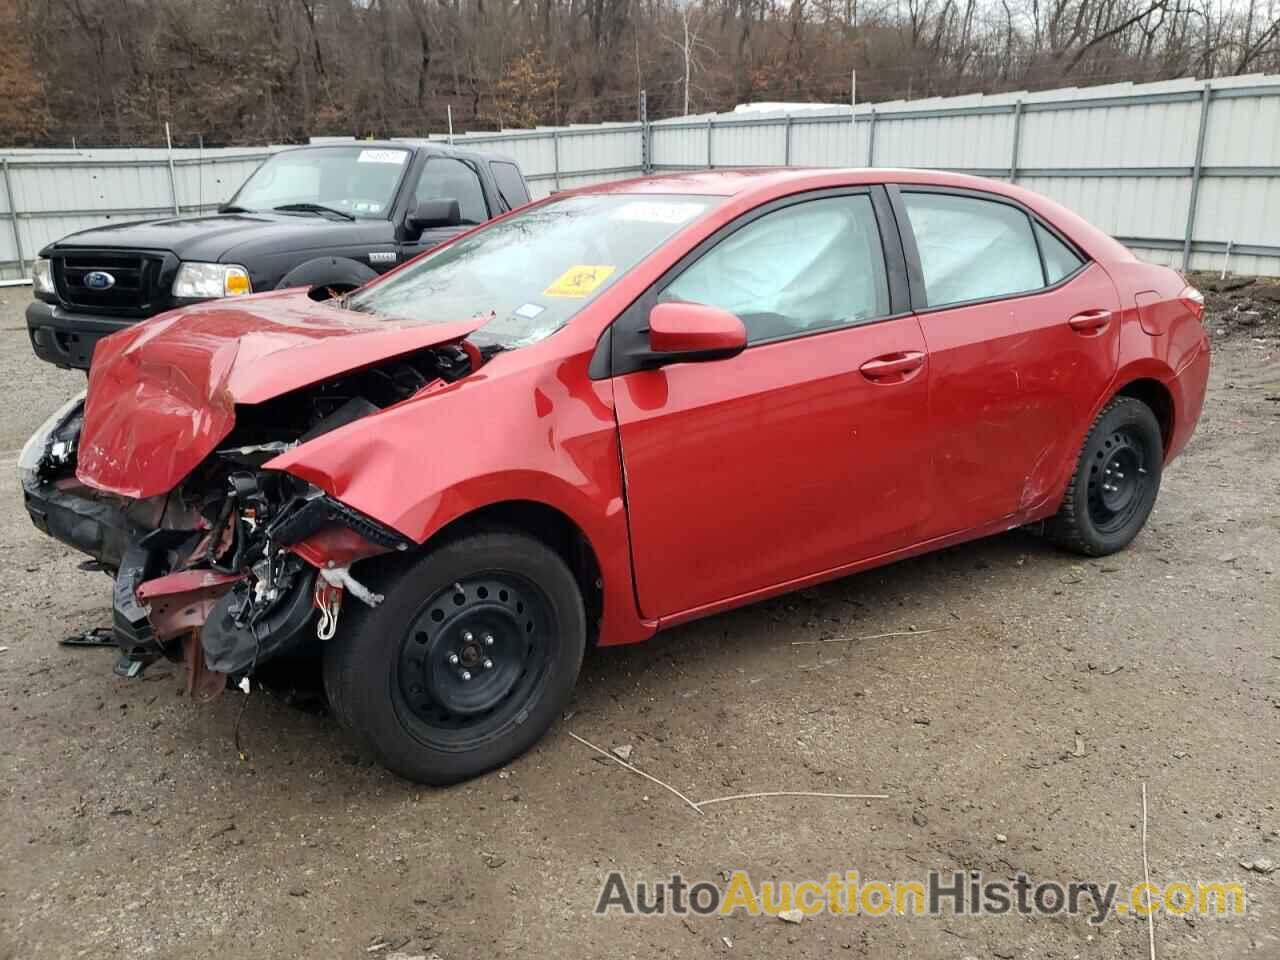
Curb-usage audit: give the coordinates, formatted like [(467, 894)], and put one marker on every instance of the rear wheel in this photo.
[(466, 663), (1115, 483)]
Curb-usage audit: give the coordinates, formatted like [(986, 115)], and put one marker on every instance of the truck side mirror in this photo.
[(442, 212)]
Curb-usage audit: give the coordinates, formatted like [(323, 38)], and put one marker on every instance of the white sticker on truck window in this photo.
[(657, 211), (382, 156)]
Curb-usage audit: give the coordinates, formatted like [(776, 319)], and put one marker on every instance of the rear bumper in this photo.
[(1188, 388), (67, 339)]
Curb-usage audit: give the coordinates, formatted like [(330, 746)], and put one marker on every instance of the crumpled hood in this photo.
[(162, 394)]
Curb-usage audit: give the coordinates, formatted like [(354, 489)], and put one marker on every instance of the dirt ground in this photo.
[(1014, 739)]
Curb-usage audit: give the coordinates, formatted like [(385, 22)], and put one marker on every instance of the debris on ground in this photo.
[(1259, 865), (623, 752), (1240, 306), (93, 637), (790, 916)]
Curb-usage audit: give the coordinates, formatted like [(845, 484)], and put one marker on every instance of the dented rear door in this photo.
[(1023, 340)]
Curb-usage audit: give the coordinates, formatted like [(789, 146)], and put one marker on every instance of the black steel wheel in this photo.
[(475, 654), (466, 663), (1115, 483), (1117, 480)]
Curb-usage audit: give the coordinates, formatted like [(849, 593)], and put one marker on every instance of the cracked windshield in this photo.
[(533, 271)]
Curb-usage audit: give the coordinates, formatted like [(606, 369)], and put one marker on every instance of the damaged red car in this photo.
[(606, 413)]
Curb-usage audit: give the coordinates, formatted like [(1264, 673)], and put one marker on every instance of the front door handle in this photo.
[(893, 367), (1090, 321)]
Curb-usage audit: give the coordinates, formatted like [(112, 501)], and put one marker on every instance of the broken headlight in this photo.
[(54, 444)]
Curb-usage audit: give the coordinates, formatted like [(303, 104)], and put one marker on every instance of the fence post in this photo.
[(173, 179), (555, 154), (645, 159), (1195, 178), (871, 140), (13, 218), (708, 143), (786, 143), (1017, 139)]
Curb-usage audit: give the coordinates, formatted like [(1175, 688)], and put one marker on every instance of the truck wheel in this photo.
[(1115, 483), (466, 663), (338, 274)]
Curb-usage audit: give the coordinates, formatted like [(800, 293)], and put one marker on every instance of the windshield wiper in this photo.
[(314, 208), (232, 208)]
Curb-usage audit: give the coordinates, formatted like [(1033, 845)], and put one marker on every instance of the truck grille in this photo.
[(134, 275)]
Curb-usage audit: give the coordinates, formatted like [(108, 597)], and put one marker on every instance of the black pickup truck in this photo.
[(328, 215)]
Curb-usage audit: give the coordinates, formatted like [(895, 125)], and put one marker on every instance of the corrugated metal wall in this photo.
[(1177, 169), (1124, 156), (56, 192)]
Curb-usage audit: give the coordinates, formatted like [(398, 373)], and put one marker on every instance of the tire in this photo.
[(443, 684), (1115, 483)]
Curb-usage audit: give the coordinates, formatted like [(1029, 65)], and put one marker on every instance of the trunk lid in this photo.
[(163, 394)]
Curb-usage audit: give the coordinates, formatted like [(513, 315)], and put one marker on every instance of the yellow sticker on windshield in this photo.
[(579, 281)]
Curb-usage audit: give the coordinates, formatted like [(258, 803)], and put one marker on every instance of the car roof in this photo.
[(433, 147), (751, 186), (734, 181)]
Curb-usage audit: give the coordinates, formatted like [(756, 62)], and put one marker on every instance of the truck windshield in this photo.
[(530, 272), (355, 181)]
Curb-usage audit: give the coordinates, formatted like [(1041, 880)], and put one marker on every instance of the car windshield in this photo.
[(352, 181), (530, 272)]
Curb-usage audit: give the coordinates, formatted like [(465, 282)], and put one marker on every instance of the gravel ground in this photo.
[(1016, 739)]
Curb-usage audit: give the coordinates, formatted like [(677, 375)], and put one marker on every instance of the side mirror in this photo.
[(444, 212), (683, 332)]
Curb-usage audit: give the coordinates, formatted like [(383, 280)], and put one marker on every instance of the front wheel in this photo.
[(1115, 482), (466, 663)]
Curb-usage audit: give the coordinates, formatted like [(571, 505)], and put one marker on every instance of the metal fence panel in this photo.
[(1134, 159)]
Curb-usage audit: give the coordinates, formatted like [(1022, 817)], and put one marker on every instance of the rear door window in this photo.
[(447, 178), (972, 249), (510, 183)]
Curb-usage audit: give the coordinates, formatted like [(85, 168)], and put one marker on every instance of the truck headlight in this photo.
[(42, 275), (204, 281)]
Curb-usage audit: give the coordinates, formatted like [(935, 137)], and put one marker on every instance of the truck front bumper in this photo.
[(67, 339)]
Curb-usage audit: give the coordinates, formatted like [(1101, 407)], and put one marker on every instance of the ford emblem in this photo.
[(99, 280)]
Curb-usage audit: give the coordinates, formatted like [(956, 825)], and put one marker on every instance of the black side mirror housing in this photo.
[(443, 212)]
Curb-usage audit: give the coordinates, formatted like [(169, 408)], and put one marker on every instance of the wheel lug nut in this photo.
[(465, 675), (488, 664), (466, 636), (453, 658), (488, 639)]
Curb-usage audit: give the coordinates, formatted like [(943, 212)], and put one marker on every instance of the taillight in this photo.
[(1194, 300)]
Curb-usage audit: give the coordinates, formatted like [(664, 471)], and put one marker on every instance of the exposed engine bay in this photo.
[(239, 563)]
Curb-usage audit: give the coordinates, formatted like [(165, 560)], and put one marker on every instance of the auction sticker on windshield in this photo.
[(579, 281), (382, 156)]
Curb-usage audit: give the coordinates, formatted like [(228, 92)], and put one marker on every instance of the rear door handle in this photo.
[(1090, 321), (893, 367)]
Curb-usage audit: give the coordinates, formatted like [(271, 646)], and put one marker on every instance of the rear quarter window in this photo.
[(1059, 259)]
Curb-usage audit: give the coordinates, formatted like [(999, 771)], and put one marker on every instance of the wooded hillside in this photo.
[(250, 71)]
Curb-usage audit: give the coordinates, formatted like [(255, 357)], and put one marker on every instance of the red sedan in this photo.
[(615, 410)]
